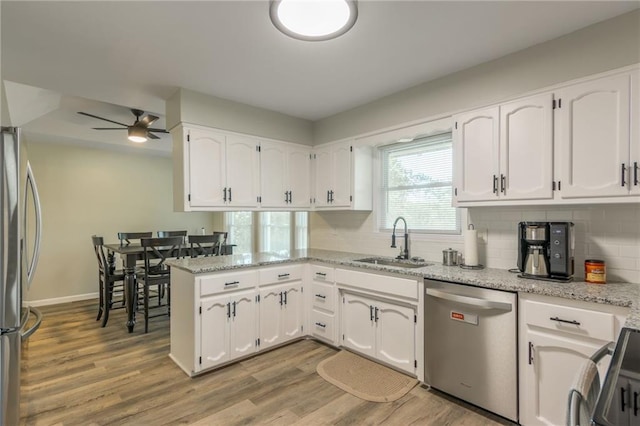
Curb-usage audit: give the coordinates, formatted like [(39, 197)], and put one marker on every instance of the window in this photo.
[(240, 229), (417, 183), (267, 231)]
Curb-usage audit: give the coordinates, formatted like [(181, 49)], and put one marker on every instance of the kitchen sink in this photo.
[(398, 263)]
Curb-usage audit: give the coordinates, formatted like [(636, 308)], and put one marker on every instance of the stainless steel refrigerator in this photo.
[(18, 259)]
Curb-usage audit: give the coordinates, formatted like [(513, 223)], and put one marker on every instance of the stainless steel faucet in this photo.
[(404, 254)]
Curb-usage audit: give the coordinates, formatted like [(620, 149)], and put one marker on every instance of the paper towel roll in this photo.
[(471, 247)]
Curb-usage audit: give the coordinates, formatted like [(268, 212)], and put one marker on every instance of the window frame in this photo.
[(380, 195), (257, 231)]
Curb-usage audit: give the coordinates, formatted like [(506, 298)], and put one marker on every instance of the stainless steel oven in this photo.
[(471, 345)]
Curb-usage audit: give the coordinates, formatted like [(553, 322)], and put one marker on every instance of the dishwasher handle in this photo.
[(472, 301)]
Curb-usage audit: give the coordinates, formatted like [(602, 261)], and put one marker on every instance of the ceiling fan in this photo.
[(139, 131)]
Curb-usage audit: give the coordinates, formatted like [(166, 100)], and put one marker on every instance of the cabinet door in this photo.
[(526, 148), (214, 331), (634, 402), (593, 121), (274, 182), (243, 324), (341, 170), (555, 361), (292, 312), (271, 300), (395, 335), (322, 183), (299, 177), (634, 161), (243, 171), (475, 154), (358, 331), (206, 151)]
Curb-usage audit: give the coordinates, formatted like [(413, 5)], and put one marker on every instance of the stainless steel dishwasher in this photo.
[(470, 345)]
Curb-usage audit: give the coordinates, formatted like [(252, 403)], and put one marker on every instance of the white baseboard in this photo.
[(58, 300)]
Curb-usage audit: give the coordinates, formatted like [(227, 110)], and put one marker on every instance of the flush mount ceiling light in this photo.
[(313, 20), (137, 134)]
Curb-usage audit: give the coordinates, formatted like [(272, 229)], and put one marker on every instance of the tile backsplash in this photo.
[(607, 232)]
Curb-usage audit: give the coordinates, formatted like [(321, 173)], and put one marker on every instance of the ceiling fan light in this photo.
[(137, 134), (313, 20)]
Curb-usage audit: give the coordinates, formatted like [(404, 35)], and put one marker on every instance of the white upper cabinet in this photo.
[(214, 170), (243, 171), (634, 159), (526, 148), (505, 152), (343, 177), (594, 138), (476, 152), (578, 143), (285, 175), (205, 183)]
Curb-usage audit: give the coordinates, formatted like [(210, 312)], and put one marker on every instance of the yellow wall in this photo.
[(87, 191)]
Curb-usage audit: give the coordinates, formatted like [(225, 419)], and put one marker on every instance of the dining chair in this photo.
[(110, 280), (165, 234), (156, 273), (207, 245), (126, 237)]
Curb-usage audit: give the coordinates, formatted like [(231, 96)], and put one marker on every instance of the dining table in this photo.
[(130, 255)]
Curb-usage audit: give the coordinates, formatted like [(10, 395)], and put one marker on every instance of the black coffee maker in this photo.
[(545, 250)]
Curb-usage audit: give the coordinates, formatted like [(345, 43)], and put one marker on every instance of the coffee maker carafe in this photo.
[(545, 250)]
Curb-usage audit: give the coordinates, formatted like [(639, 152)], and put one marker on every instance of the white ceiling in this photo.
[(117, 54)]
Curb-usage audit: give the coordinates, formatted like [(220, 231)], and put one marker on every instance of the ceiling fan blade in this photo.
[(107, 128), (152, 136), (148, 119), (157, 130), (101, 118)]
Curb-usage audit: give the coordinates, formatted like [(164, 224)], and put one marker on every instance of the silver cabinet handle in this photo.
[(622, 170), (321, 296), (319, 324), (635, 173), (472, 301), (38, 210), (283, 275), (232, 283), (321, 274), (495, 184)]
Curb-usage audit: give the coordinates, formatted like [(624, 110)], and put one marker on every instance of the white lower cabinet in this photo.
[(626, 400), (280, 314), (323, 302), (380, 329), (227, 327), (556, 336)]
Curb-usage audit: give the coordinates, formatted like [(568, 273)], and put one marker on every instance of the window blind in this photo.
[(417, 183)]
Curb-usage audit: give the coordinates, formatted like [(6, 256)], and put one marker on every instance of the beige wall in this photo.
[(197, 108), (88, 191), (601, 47)]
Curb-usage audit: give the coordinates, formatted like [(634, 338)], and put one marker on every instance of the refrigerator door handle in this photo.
[(38, 211), (27, 333)]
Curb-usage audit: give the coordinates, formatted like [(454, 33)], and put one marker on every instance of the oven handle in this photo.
[(472, 301)]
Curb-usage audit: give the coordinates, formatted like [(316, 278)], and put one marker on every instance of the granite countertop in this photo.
[(619, 294)]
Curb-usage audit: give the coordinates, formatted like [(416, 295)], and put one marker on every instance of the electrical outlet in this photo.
[(483, 235)]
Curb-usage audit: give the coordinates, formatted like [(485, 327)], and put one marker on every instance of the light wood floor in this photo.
[(76, 373)]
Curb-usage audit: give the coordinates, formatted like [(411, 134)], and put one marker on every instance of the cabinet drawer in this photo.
[(401, 287), (594, 324), (323, 296), (322, 273), (219, 283), (322, 325), (280, 274)]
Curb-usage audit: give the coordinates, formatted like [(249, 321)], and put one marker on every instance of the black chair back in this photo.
[(207, 245), (158, 250), (165, 234), (126, 237)]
